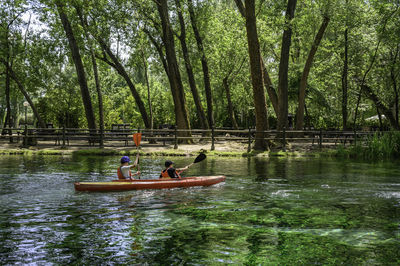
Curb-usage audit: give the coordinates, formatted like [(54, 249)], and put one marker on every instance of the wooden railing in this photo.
[(112, 137)]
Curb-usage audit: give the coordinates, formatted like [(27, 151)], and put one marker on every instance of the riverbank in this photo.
[(227, 149)]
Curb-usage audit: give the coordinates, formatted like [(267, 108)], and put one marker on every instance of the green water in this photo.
[(268, 212)]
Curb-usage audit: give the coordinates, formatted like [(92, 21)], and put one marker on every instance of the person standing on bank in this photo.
[(124, 171), (170, 171)]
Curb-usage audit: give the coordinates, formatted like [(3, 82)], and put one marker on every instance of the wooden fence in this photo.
[(123, 137)]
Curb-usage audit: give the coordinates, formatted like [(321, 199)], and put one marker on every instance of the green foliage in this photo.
[(380, 146), (41, 59)]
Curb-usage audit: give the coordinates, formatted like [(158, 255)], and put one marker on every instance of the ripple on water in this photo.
[(279, 209)]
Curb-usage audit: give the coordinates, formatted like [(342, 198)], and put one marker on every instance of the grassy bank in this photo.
[(172, 152), (378, 147)]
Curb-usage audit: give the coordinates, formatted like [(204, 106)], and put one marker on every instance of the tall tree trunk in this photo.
[(266, 79), (7, 120), (84, 24), (230, 105), (204, 65), (192, 84), (99, 94), (284, 66), (116, 64), (306, 71), (345, 80), (12, 75), (256, 76), (178, 93), (7, 83), (80, 71)]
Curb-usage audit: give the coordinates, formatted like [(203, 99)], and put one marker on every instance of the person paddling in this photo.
[(170, 171), (124, 171)]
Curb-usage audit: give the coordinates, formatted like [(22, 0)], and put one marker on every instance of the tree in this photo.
[(192, 83), (87, 102), (84, 24), (306, 71), (256, 75), (204, 65), (178, 94), (284, 66)]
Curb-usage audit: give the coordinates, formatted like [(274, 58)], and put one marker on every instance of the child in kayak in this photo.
[(170, 171), (124, 171)]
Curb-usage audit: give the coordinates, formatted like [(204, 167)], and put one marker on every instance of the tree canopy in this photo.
[(200, 64)]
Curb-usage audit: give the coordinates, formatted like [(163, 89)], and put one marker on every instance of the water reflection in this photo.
[(269, 211), (260, 167)]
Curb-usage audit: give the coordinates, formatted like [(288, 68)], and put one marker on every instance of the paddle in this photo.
[(137, 137), (198, 159)]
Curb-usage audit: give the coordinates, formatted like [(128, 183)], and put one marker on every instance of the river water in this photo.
[(274, 211)]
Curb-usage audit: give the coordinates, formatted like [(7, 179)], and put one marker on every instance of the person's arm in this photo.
[(134, 174), (180, 170)]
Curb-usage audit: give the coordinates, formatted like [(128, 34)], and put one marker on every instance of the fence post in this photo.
[(101, 144), (63, 137), (212, 139), (25, 139), (176, 138), (284, 139), (10, 133), (355, 137), (249, 141), (320, 139)]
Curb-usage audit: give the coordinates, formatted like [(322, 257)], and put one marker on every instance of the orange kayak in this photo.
[(117, 185)]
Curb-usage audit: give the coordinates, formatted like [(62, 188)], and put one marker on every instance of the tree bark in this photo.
[(306, 71), (267, 80), (7, 120), (95, 72), (284, 66), (192, 83), (204, 65), (256, 76), (80, 71), (99, 94), (178, 94)]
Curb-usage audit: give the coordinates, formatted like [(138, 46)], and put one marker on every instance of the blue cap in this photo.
[(125, 159)]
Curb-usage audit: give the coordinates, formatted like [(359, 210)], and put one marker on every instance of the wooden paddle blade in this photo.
[(137, 137), (200, 158)]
